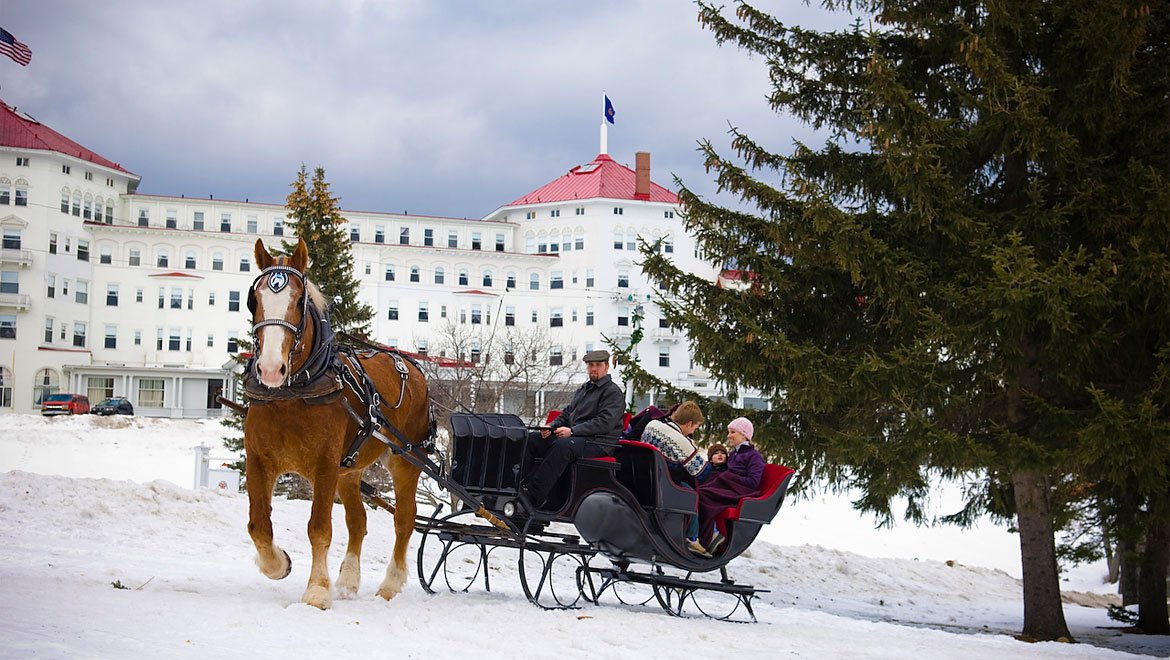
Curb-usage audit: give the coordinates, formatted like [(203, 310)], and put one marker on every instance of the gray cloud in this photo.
[(443, 107)]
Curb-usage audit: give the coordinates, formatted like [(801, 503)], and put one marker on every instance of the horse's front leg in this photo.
[(273, 562), (405, 478), (350, 576), (318, 593)]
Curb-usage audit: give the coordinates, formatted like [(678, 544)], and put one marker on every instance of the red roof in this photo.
[(24, 132), (604, 177)]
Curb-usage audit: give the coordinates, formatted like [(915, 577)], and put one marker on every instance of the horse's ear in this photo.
[(300, 256), (263, 259)]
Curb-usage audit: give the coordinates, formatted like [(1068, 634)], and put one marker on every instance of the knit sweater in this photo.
[(675, 447)]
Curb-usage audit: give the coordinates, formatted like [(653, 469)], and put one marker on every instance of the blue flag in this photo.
[(609, 112)]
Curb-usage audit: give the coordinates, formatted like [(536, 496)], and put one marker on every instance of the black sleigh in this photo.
[(614, 527)]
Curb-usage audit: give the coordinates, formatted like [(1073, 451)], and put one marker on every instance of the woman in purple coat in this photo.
[(745, 468)]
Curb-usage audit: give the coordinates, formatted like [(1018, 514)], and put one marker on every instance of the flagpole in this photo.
[(604, 130)]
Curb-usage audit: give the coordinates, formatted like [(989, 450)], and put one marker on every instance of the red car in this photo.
[(65, 404)]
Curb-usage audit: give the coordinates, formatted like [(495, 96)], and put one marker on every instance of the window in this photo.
[(534, 282), (79, 335), (188, 345), (48, 331), (555, 356), (233, 344), (162, 297), (97, 209), (631, 240), (217, 261), (542, 244), (190, 298), (664, 357), (245, 264), (414, 275), (253, 224), (9, 281), (555, 213), (138, 295), (556, 318), (51, 286), (6, 197), (176, 342), (211, 299), (511, 281), (225, 223), (197, 221), (617, 210), (45, 383), (404, 236), (11, 239), (668, 245), (21, 161), (389, 272), (617, 239), (668, 214), (420, 345), (487, 278), (462, 278), (65, 169), (392, 312), (574, 315), (355, 233), (623, 278), (509, 315), (589, 315), (109, 213), (439, 275), (53, 243), (278, 226), (176, 298), (105, 255), (530, 243), (476, 351), (476, 240), (476, 314), (210, 340), (233, 301), (189, 260), (151, 392), (111, 336), (442, 311), (554, 242), (5, 388), (662, 322), (623, 318), (530, 215), (566, 241), (589, 277), (163, 258), (580, 210), (424, 312), (429, 237), (509, 354), (452, 238), (499, 242), (556, 280), (379, 234), (82, 250), (7, 326), (135, 257), (172, 219), (535, 316), (143, 217), (111, 295), (137, 337), (22, 195)]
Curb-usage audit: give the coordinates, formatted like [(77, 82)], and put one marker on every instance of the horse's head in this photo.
[(279, 301)]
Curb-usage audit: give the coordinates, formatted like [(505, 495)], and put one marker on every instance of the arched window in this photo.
[(554, 241), (542, 243), (579, 239), (5, 388), (64, 198), (98, 207), (631, 240), (46, 382), (530, 243), (440, 275), (566, 240), (487, 278), (617, 239), (77, 203)]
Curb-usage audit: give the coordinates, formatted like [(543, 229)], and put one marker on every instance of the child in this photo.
[(717, 457)]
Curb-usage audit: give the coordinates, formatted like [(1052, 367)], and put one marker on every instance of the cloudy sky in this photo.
[(439, 107)]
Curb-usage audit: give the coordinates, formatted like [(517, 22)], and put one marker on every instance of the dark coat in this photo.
[(745, 468), (596, 410)]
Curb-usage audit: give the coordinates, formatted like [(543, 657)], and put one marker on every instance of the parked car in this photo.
[(65, 404), (118, 405)]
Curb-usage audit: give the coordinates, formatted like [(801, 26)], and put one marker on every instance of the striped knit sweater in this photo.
[(675, 447)]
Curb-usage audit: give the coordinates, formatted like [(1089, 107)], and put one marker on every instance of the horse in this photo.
[(308, 427)]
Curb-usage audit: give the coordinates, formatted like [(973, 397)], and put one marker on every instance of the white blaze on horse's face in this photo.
[(274, 343)]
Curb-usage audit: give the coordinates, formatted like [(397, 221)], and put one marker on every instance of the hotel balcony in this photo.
[(22, 258), (19, 301)]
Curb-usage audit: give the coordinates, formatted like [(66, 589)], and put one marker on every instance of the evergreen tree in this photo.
[(315, 215), (970, 276)]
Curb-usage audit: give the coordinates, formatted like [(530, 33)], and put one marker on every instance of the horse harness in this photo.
[(330, 369)]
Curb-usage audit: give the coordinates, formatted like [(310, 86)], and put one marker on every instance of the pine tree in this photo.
[(315, 215), (971, 274)]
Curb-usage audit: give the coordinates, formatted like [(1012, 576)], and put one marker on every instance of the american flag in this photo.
[(20, 53)]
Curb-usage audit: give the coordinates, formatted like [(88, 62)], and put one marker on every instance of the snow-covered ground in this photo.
[(88, 503)]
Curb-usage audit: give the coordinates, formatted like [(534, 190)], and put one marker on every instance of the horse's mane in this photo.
[(316, 298)]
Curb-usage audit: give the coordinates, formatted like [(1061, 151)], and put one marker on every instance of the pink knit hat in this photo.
[(743, 425)]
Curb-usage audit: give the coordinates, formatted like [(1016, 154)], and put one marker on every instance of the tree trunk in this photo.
[(1043, 611), (1127, 552), (1153, 618)]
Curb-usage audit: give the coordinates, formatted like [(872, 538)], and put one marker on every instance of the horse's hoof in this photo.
[(287, 565), (318, 597), (348, 579), (279, 572)]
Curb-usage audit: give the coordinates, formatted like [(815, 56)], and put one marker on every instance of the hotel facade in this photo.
[(108, 292)]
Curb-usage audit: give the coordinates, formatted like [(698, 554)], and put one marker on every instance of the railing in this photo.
[(18, 300), (16, 256)]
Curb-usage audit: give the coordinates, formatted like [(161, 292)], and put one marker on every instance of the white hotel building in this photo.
[(104, 291)]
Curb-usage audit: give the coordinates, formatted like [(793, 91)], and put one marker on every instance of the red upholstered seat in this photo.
[(773, 476)]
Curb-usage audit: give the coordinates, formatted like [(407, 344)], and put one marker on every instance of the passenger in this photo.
[(595, 411), (745, 468), (717, 457), (672, 437)]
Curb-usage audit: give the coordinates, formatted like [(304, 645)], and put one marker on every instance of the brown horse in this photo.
[(308, 435)]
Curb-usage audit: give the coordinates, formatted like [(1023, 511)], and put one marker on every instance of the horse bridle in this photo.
[(276, 283)]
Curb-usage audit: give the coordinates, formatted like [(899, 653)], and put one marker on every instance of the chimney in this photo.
[(642, 175)]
